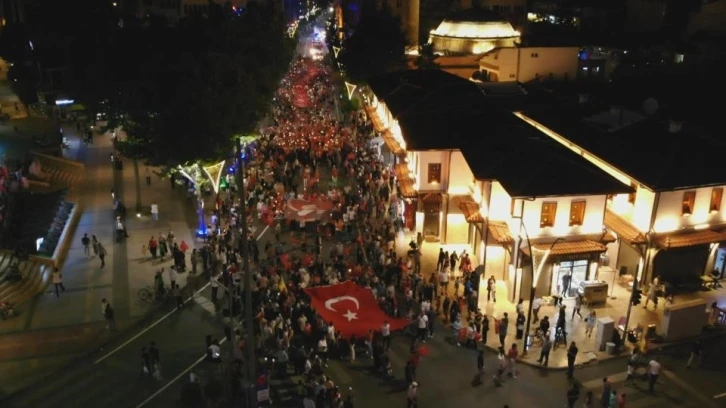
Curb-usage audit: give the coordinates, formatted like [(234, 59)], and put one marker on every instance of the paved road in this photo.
[(117, 381)]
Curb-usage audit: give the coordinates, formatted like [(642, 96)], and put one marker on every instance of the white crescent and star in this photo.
[(349, 315)]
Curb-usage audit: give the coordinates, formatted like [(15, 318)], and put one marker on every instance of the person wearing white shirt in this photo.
[(423, 325), (173, 276), (155, 212), (411, 395), (214, 283), (386, 335), (323, 350), (425, 306), (653, 373), (214, 352), (536, 305)]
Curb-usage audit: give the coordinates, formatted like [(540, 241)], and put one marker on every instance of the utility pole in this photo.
[(250, 365), (630, 307)]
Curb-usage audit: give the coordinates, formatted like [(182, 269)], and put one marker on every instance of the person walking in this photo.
[(520, 325), (480, 364), (108, 315), (503, 324), (386, 335), (695, 353), (492, 289), (86, 242), (606, 392), (573, 394), (412, 395), (176, 292), (94, 244), (544, 355), (571, 356), (173, 276), (146, 368), (578, 306), (155, 212), (484, 329), (214, 283), (58, 281), (148, 176), (513, 355), (590, 321), (155, 359), (654, 368), (102, 254), (536, 305)]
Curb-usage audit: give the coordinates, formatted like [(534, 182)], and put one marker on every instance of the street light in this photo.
[(535, 278)]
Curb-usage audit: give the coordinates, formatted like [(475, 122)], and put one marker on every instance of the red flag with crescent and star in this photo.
[(352, 308)]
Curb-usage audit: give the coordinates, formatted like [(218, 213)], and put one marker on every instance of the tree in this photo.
[(377, 45), (426, 58)]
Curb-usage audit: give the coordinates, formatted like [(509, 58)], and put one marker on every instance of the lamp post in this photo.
[(249, 321), (535, 278)]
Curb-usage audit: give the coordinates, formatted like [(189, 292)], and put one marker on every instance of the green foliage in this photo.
[(426, 58), (377, 45), (181, 92)]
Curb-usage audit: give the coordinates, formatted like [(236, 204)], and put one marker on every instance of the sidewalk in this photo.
[(616, 307), (51, 330)]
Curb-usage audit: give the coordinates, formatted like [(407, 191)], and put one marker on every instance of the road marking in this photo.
[(205, 304), (127, 342), (175, 379), (717, 396), (690, 389)]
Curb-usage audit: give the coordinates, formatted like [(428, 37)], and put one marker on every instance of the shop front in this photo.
[(569, 264), (431, 208)]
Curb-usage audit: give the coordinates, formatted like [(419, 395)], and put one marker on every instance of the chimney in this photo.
[(674, 126), (583, 98)]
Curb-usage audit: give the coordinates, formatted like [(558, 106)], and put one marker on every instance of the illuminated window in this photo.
[(689, 198), (634, 194), (434, 173), (577, 213), (716, 196), (547, 217)]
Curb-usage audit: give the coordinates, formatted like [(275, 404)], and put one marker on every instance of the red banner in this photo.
[(352, 309)]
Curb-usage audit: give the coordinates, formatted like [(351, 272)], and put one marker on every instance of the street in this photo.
[(113, 376)]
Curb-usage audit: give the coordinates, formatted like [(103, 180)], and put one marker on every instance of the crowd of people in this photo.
[(309, 154)]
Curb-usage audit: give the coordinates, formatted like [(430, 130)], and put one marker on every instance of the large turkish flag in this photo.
[(351, 308)]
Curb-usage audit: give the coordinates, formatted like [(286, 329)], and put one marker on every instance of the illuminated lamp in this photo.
[(350, 88), (214, 172)]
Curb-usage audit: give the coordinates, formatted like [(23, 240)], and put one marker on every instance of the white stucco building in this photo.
[(673, 224), (524, 64), (478, 177)]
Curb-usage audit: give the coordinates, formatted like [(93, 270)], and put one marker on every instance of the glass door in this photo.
[(566, 277)]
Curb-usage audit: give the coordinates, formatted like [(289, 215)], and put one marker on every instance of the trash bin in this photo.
[(610, 347)]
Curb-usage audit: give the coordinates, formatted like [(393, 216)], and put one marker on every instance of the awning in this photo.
[(392, 144), (499, 230), (375, 120), (680, 239), (404, 181), (469, 208), (569, 248), (432, 198), (606, 237), (407, 189), (623, 228)]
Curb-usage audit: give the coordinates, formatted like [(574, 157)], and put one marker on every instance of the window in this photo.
[(634, 194), (577, 213), (716, 196), (434, 173), (689, 198), (511, 207), (547, 217)]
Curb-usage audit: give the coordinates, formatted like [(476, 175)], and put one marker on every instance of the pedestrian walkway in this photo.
[(615, 308), (52, 330)]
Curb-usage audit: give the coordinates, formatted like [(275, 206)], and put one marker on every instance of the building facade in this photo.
[(672, 224), (524, 64), (457, 164)]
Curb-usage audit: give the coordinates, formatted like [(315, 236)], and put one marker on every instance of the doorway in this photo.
[(566, 277), (432, 212)]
